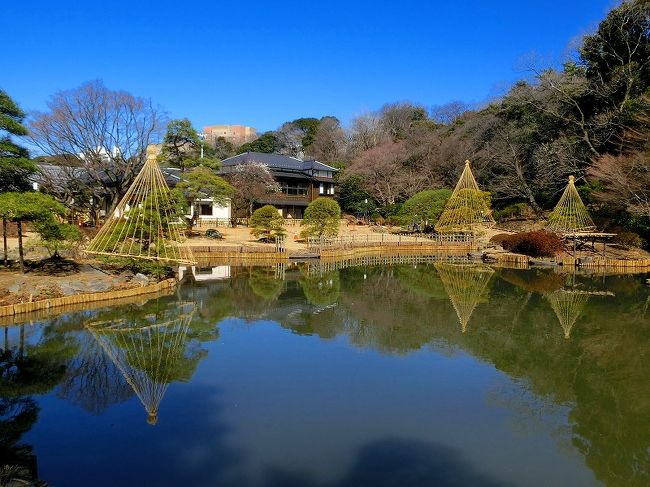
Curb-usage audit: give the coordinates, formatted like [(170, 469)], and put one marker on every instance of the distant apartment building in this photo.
[(236, 134)]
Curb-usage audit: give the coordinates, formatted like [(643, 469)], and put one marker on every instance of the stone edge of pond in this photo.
[(80, 300)]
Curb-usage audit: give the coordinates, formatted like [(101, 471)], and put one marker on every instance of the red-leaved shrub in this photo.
[(499, 238), (535, 244)]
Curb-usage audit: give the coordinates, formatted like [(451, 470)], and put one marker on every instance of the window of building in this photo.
[(294, 189), (205, 209), (322, 188)]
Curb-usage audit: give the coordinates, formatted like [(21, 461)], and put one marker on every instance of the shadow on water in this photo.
[(396, 462), (580, 342), (567, 338)]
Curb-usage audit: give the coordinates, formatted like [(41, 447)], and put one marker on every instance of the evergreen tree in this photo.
[(27, 207), (322, 218), (15, 166)]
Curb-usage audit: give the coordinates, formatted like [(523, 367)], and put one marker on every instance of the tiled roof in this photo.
[(277, 161)]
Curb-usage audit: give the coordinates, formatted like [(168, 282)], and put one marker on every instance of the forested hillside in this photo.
[(591, 118)]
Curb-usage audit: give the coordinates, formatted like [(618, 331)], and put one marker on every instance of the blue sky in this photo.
[(263, 63)]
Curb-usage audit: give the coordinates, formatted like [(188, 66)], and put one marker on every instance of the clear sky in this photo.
[(263, 63)]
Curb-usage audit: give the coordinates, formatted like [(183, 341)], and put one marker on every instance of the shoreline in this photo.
[(79, 301)]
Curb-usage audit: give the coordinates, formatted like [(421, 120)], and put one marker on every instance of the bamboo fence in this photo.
[(621, 265), (242, 252), (598, 262), (79, 301), (444, 241)]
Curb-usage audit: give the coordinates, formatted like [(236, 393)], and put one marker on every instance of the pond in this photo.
[(311, 375)]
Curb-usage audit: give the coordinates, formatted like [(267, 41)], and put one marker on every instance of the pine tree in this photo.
[(15, 166)]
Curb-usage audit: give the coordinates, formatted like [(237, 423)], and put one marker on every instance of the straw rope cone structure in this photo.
[(570, 215), (145, 224), (465, 284), (145, 355), (568, 306), (468, 208)]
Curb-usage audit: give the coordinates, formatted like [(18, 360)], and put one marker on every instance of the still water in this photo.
[(401, 375)]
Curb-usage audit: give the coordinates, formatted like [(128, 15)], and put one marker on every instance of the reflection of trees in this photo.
[(92, 380), (17, 416), (600, 376), (28, 368), (422, 279), (321, 289), (150, 351), (265, 284), (384, 314), (533, 280), (466, 285)]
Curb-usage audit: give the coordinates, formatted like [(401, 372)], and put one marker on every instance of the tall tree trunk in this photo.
[(21, 256), (21, 349), (524, 184), (4, 240)]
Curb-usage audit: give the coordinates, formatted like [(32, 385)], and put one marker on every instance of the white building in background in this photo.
[(207, 210), (216, 273), (202, 211)]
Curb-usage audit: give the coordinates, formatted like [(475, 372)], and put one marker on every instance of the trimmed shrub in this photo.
[(394, 220), (424, 207), (515, 210), (150, 268), (534, 244), (267, 222), (322, 218), (213, 233)]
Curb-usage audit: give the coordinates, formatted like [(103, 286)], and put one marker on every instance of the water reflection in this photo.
[(148, 350), (466, 285), (29, 366), (589, 384), (568, 305)]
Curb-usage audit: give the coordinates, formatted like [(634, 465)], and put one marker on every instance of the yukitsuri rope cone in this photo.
[(465, 285), (568, 306), (468, 208), (145, 224), (146, 354), (570, 215)]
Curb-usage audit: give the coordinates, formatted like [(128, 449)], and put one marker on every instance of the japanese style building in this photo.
[(301, 182)]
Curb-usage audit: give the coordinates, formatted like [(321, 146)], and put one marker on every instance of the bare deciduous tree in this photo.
[(251, 181), (449, 112), (105, 132), (386, 174), (366, 132), (397, 119), (290, 137), (330, 141), (627, 176)]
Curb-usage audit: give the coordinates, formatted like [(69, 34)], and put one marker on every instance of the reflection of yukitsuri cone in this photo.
[(145, 355), (568, 307), (570, 215), (467, 208), (145, 224), (465, 285)]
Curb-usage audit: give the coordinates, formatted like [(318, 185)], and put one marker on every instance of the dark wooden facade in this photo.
[(301, 182)]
